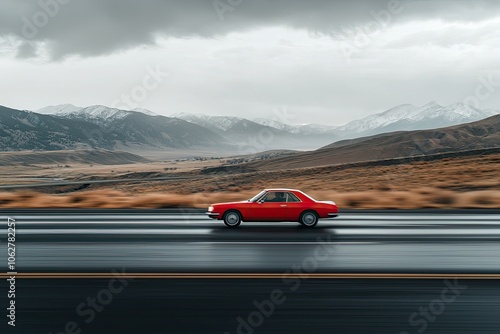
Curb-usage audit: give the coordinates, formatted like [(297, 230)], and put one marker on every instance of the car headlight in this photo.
[(210, 208)]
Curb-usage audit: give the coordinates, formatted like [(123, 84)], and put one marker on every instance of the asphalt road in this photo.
[(216, 306), (171, 241)]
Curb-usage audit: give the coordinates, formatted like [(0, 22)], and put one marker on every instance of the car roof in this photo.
[(282, 189)]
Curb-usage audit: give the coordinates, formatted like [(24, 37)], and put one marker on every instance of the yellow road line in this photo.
[(253, 276)]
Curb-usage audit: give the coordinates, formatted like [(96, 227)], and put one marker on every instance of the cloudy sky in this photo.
[(316, 61)]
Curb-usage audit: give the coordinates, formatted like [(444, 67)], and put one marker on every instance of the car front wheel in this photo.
[(232, 218), (309, 219)]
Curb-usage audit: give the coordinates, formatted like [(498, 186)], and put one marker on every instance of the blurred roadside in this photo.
[(469, 180), (374, 199)]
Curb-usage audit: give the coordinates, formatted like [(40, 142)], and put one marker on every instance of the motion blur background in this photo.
[(121, 121)]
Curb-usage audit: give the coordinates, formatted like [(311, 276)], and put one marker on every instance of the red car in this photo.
[(274, 205)]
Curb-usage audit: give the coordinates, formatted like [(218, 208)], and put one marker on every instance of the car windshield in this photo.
[(256, 197)]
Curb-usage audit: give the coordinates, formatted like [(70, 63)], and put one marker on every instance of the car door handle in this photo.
[(283, 204)]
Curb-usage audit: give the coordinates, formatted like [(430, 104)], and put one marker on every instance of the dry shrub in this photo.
[(425, 190), (5, 199), (383, 187), (396, 200), (161, 201), (99, 199), (373, 199), (445, 200), (34, 200), (26, 195), (198, 200), (480, 199), (356, 200)]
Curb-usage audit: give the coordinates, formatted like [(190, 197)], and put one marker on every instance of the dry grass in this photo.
[(375, 199), (453, 174), (466, 182)]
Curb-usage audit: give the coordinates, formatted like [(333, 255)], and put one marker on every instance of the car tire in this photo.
[(232, 218), (308, 219)]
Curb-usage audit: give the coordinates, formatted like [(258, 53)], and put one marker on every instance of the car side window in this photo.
[(274, 197), (290, 197), (267, 197)]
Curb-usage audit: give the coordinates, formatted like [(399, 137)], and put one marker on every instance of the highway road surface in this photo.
[(176, 271)]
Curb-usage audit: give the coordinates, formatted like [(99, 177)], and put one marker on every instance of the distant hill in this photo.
[(257, 135), (98, 127), (97, 157), (404, 117), (66, 126), (408, 117), (477, 135), (25, 130), (141, 127)]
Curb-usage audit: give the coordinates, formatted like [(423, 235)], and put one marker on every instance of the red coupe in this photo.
[(274, 205)]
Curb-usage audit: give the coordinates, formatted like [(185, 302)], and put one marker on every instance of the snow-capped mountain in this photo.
[(214, 123), (145, 111), (69, 127), (277, 125), (225, 123), (404, 117), (62, 109), (377, 120), (408, 117), (260, 134), (306, 129), (458, 112), (97, 112), (316, 128)]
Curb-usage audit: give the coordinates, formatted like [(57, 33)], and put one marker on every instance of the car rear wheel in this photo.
[(232, 218), (309, 219)]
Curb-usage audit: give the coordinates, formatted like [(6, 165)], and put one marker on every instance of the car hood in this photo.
[(231, 203)]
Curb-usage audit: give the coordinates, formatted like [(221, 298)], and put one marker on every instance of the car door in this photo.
[(269, 208), (293, 208)]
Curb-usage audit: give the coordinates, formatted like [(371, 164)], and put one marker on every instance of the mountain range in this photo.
[(67, 127), (483, 134), (400, 118), (98, 127), (408, 117), (251, 136)]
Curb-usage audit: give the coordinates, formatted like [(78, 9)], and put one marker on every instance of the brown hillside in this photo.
[(478, 135)]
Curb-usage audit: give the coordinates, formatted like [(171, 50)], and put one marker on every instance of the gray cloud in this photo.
[(97, 27), (263, 56), (26, 50)]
